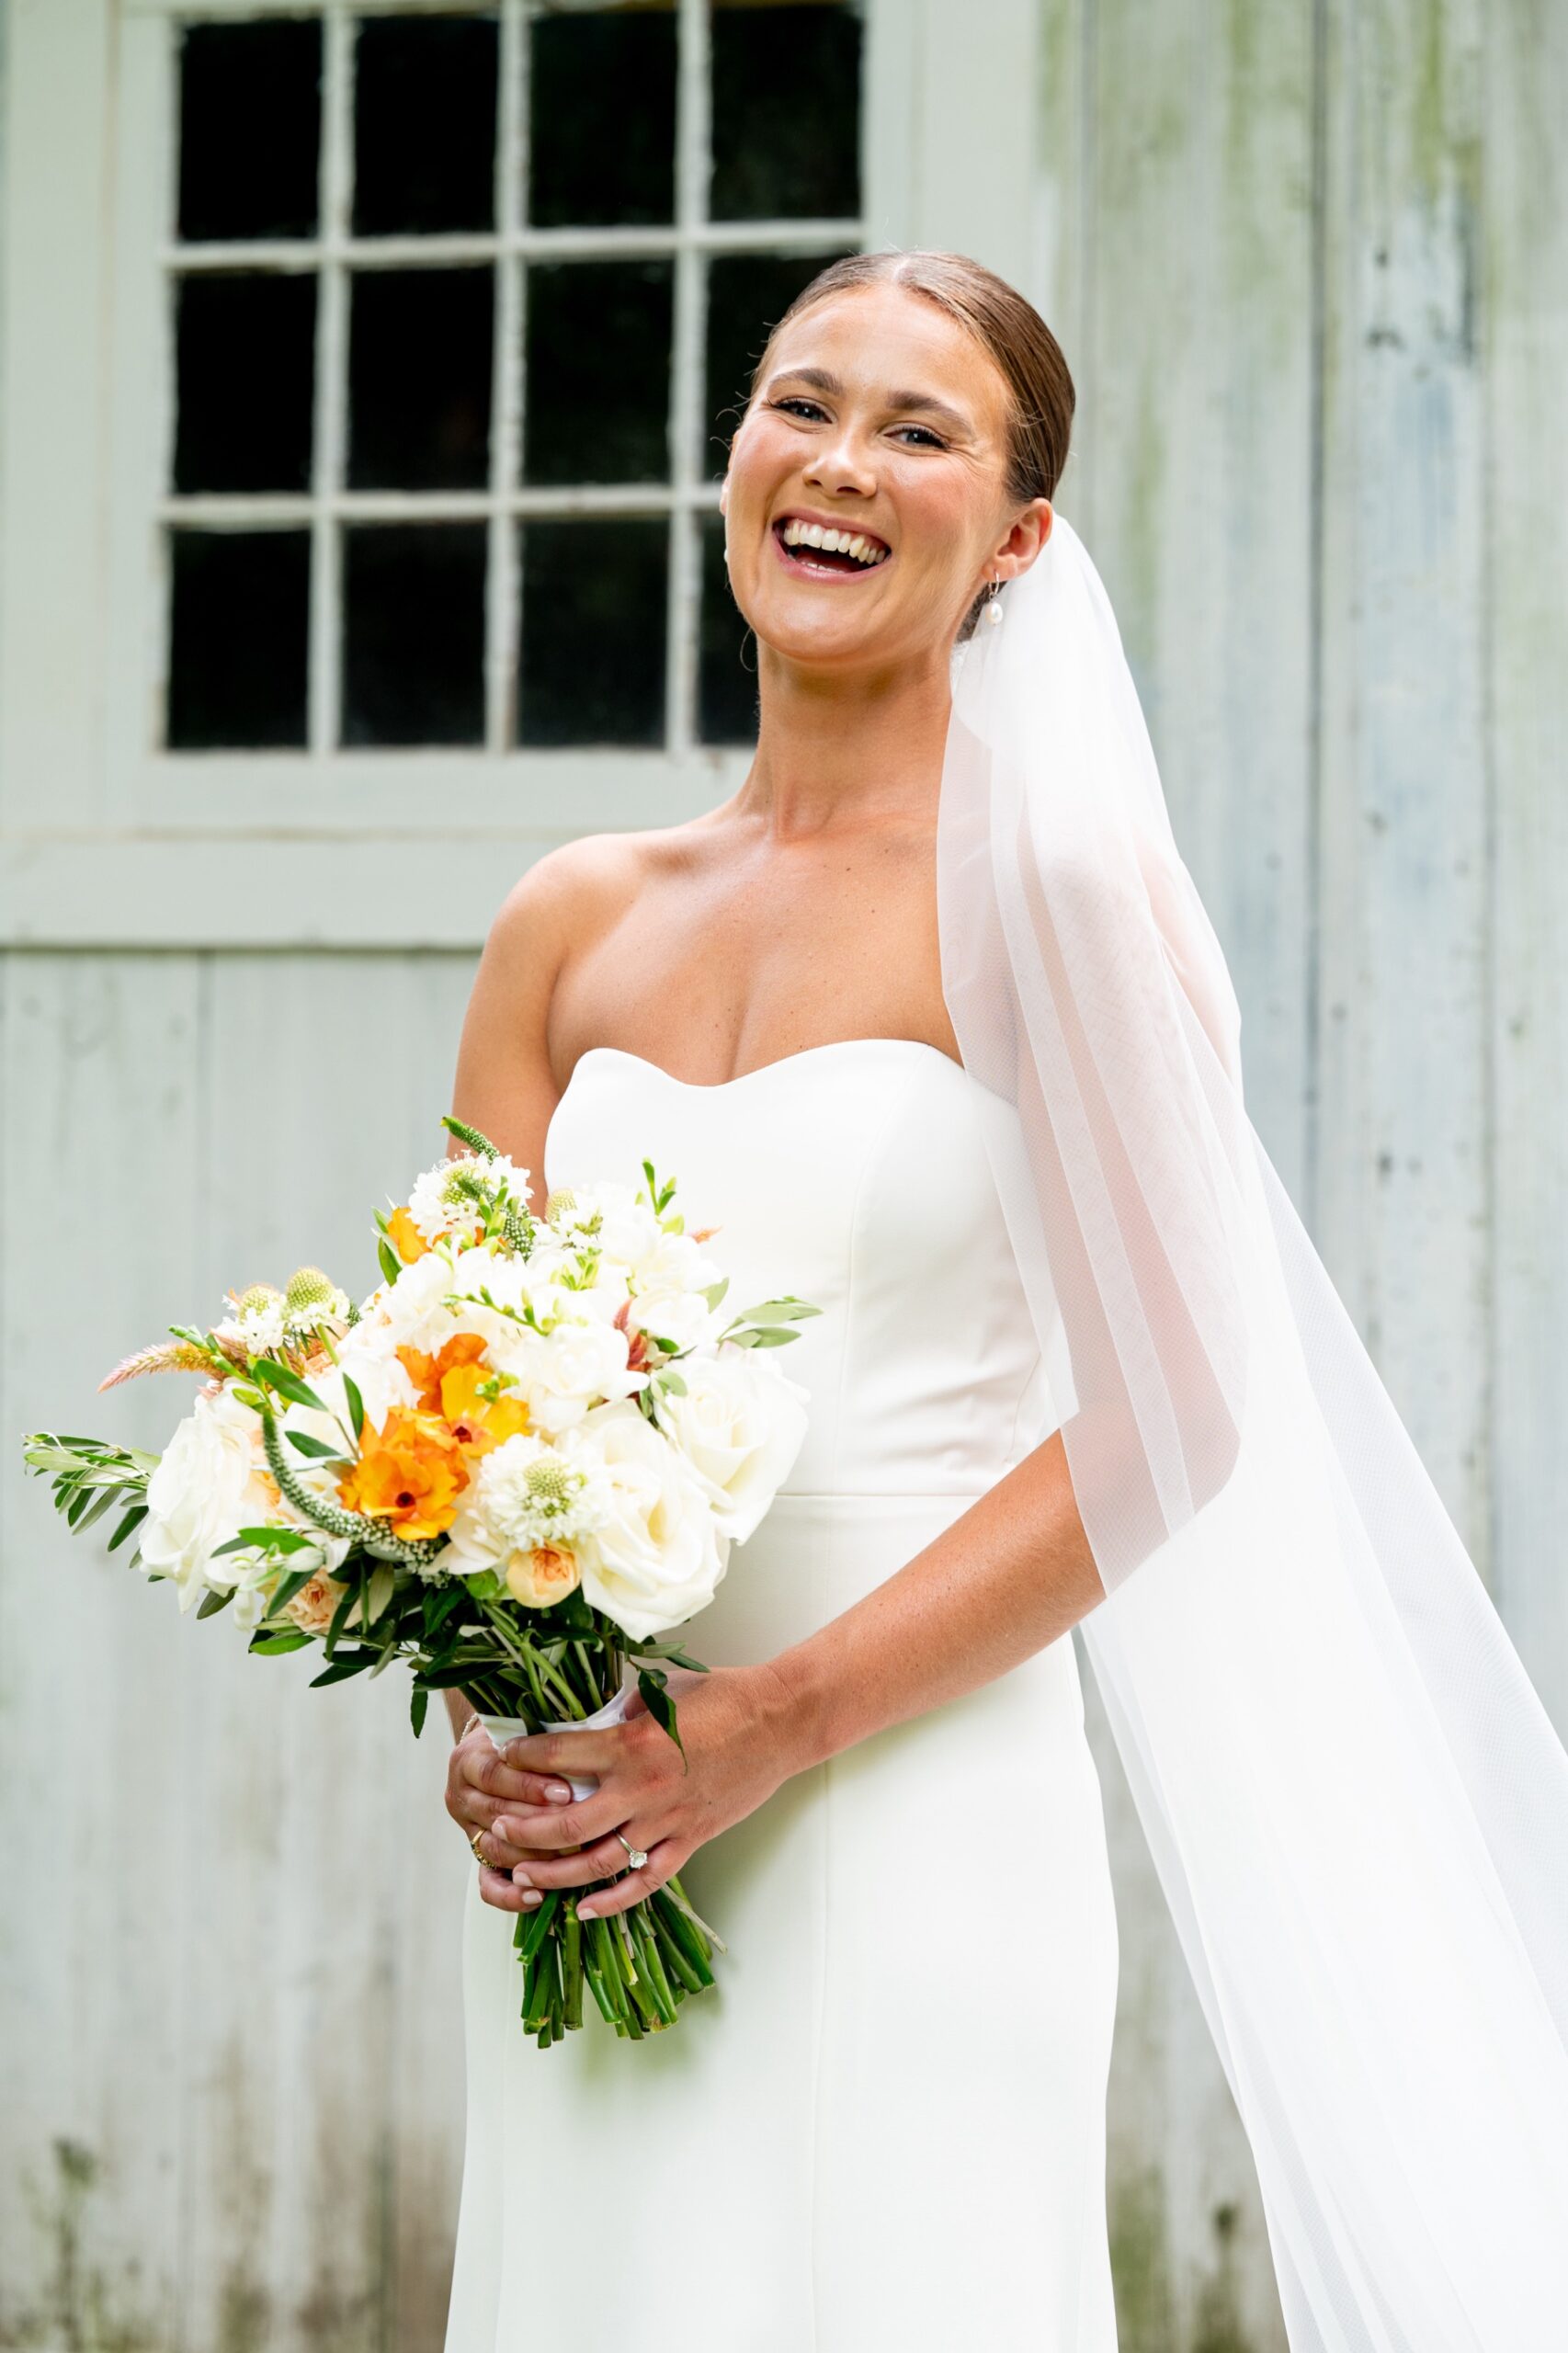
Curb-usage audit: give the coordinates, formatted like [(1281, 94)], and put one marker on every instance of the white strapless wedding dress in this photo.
[(885, 2126)]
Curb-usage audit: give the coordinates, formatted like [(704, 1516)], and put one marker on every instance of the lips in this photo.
[(817, 548)]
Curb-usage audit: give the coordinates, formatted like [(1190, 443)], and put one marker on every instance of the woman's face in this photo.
[(879, 420)]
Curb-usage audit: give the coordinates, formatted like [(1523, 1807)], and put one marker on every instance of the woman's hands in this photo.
[(738, 1727), (479, 1788)]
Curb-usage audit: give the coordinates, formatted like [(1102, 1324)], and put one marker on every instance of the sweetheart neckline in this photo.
[(779, 1062)]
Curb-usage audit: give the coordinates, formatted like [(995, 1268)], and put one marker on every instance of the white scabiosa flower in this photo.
[(310, 1299), (531, 1493), (442, 1199), (257, 1322)]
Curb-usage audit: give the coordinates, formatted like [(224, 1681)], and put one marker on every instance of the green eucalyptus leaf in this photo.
[(391, 1264), (266, 1645), (356, 1407), (212, 1602), (419, 1703)]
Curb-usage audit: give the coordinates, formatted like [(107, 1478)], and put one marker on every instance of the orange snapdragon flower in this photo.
[(410, 1473), (449, 1384)]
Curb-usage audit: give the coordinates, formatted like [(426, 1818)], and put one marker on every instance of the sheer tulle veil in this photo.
[(1356, 1804)]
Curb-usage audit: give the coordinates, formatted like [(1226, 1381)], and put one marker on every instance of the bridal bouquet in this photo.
[(516, 1465)]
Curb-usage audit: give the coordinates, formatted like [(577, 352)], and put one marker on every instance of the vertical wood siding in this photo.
[(1311, 268), (1310, 265)]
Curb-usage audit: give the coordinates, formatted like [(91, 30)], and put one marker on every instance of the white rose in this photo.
[(657, 1555), (409, 1313), (740, 1425), (211, 1483), (563, 1373)]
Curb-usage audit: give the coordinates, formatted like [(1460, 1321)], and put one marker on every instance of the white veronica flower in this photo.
[(740, 1425), (658, 1556), (211, 1483)]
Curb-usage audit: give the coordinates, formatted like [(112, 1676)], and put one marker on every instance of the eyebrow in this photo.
[(823, 381)]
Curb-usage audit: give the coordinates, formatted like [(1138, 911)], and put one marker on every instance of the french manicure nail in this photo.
[(531, 1896), (558, 1793), (586, 1912)]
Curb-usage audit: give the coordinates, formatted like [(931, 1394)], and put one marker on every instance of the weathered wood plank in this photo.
[(103, 1201), (1403, 1136), (1177, 219), (1527, 361), (237, 2114)]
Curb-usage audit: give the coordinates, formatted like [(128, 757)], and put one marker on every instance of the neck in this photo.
[(847, 750)]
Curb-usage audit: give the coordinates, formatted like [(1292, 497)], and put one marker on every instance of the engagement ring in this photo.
[(635, 1858)]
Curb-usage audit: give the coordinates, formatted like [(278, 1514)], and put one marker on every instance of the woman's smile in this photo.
[(820, 547)]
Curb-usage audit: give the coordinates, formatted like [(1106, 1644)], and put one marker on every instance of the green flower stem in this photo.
[(571, 1967), (653, 1968), (677, 1966)]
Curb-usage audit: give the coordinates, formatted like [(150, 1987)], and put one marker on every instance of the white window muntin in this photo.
[(609, 785)]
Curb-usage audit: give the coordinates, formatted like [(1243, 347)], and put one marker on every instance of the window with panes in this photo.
[(461, 307)]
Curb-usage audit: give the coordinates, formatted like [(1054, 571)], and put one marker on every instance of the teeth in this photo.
[(797, 534)]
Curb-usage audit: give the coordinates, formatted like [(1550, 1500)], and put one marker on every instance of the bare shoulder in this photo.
[(582, 888)]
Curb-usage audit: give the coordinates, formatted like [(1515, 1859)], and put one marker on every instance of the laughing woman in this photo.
[(931, 1016)]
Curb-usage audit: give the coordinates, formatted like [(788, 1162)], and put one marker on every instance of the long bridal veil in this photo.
[(1356, 1804)]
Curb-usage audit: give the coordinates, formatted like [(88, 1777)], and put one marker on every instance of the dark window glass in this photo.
[(726, 655), (245, 367), (786, 113), (602, 118), (250, 129), (747, 294), (596, 392), (413, 633), (419, 357), (239, 627), (594, 604), (424, 124)]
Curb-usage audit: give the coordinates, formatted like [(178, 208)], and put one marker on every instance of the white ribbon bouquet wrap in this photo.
[(1356, 1804)]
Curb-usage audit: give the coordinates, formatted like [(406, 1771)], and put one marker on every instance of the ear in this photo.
[(1029, 533)]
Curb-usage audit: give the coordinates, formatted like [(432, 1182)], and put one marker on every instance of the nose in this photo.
[(843, 463)]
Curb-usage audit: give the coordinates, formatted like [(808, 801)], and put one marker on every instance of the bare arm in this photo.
[(1010, 1576), (1003, 1581)]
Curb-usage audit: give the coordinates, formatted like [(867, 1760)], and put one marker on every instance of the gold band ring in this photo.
[(479, 1854)]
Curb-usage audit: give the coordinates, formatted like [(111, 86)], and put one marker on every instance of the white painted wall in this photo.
[(1311, 268)]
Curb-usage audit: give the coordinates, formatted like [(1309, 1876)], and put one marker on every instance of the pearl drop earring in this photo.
[(993, 604)]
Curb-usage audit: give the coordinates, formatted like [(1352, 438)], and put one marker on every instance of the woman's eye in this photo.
[(795, 406), (929, 439)]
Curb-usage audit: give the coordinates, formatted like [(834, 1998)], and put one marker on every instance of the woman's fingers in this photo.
[(571, 1754), (499, 1888), (503, 1853), (483, 1768), (600, 1861), (663, 1861), (551, 1829)]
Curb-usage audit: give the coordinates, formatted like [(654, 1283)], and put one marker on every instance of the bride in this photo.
[(929, 1021)]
